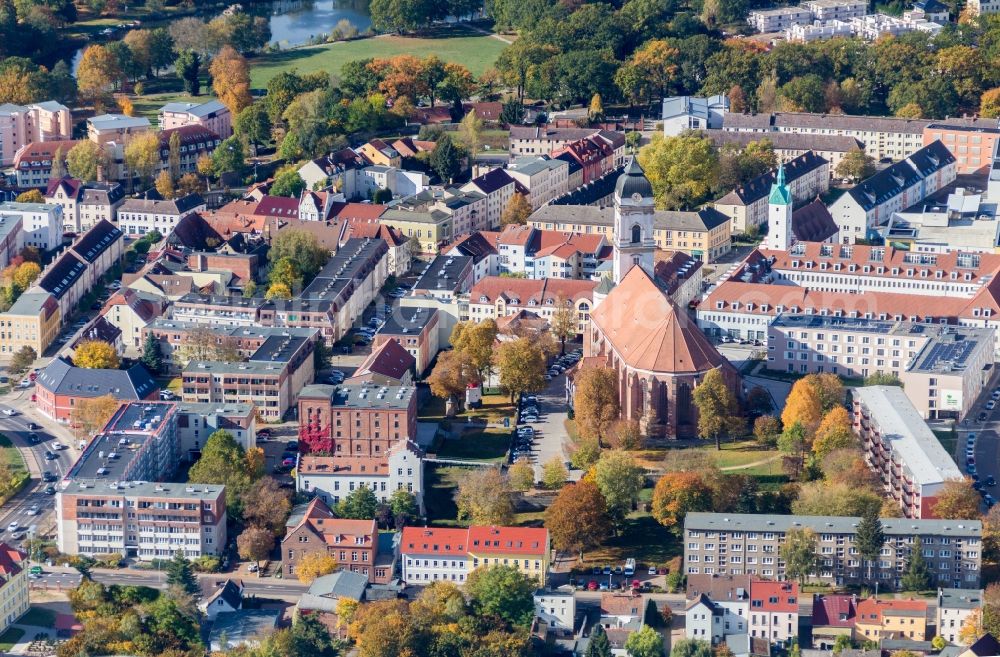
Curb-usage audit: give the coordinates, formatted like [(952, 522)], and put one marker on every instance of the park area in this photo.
[(477, 53)]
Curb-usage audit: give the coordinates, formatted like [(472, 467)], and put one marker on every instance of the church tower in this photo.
[(633, 229), (779, 214)]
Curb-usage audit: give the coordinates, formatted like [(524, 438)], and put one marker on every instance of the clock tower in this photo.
[(633, 230)]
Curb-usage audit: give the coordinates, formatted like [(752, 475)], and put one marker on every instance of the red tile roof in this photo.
[(338, 531), (519, 291), (31, 156), (649, 332), (360, 211), (870, 611), (11, 560), (782, 597), (622, 604), (508, 540), (278, 206), (389, 360), (834, 611), (435, 541)]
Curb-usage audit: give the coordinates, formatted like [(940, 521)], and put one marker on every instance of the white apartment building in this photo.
[(556, 610), (872, 202), (819, 31), (901, 449), (982, 7), (137, 216), (196, 422), (877, 26), (841, 10), (498, 187), (85, 204), (954, 606), (777, 20), (469, 210), (682, 113), (545, 178), (400, 182), (42, 223)]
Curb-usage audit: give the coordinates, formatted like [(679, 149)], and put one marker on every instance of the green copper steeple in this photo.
[(780, 194)]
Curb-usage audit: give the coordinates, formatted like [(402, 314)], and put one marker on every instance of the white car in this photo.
[(12, 527), (58, 445), (9, 412), (33, 511)]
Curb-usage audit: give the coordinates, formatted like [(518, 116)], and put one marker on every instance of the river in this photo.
[(296, 22)]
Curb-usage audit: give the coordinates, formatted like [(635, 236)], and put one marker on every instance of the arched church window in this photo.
[(636, 234)]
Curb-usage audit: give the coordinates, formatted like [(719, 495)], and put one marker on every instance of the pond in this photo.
[(296, 22)]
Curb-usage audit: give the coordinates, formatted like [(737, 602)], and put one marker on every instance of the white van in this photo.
[(629, 567)]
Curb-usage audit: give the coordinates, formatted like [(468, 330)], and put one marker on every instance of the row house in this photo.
[(737, 544), (498, 188), (901, 449), (543, 177), (429, 227), (720, 606), (357, 545), (594, 155), (138, 216), (806, 176), (33, 321), (789, 145), (429, 554), (39, 122), (482, 247), (85, 204), (903, 184), (891, 619), (545, 139)]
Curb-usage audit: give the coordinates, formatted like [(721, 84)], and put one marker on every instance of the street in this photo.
[(987, 449), (551, 437)]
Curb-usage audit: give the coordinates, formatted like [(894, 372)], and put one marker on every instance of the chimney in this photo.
[(100, 173)]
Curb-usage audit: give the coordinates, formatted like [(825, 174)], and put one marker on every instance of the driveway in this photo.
[(551, 437)]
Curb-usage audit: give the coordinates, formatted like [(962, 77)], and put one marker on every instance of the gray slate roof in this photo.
[(63, 378), (828, 524), (326, 591)]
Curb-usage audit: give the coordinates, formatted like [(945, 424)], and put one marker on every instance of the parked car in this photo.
[(990, 481), (12, 527), (33, 437), (289, 462), (652, 570), (989, 500), (591, 585), (58, 445), (9, 412), (990, 405), (48, 476), (982, 417)]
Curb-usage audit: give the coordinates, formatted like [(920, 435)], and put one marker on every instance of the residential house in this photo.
[(14, 597), (388, 364), (116, 128), (682, 113), (434, 554), (33, 321), (954, 608), (195, 141), (556, 610), (225, 598), (481, 246), (196, 422), (774, 610), (621, 614), (60, 387), (41, 223), (85, 204), (498, 188), (891, 619), (39, 122), (545, 140), (717, 606), (833, 616), (595, 155), (378, 152), (33, 161), (544, 177), (429, 228), (972, 141), (137, 216), (131, 312), (11, 238), (416, 330)]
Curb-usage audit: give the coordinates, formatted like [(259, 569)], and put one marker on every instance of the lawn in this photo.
[(643, 539), (10, 637), (148, 105), (440, 484), (494, 409), (488, 445), (39, 617), (476, 52), (948, 440), (735, 455)]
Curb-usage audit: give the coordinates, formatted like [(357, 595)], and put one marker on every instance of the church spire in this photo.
[(780, 194)]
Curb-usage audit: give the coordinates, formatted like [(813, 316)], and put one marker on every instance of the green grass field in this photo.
[(440, 484), (489, 445), (948, 440), (476, 52)]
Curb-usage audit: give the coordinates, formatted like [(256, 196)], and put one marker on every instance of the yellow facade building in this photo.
[(891, 619), (33, 321)]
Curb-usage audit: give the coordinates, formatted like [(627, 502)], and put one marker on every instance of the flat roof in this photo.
[(408, 320), (907, 435), (13, 206), (950, 350), (278, 349), (252, 367), (107, 457), (444, 273), (140, 417), (960, 598), (853, 324), (210, 408), (362, 396), (204, 492), (902, 527)]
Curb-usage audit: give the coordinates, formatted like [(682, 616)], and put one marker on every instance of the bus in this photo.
[(629, 567)]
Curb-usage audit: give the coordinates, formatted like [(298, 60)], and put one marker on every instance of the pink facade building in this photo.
[(20, 125), (212, 115)]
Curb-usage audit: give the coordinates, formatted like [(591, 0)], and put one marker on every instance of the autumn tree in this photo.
[(972, 628), (620, 479), (678, 493), (314, 564), (84, 159), (800, 554), (989, 104), (522, 367), (96, 355), (803, 405), (856, 166), (625, 434), (30, 196), (595, 401), (303, 248), (90, 415), (718, 410), (476, 340), (648, 73), (58, 164), (834, 432), (957, 500), (766, 430), (471, 132), (483, 497), (23, 359), (521, 475), (97, 73), (231, 79), (554, 473), (451, 375), (255, 543), (683, 170), (517, 211), (142, 155), (267, 504), (165, 184)]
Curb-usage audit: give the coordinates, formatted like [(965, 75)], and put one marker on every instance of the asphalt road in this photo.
[(987, 441)]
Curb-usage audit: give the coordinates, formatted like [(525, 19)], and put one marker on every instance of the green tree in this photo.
[(288, 182), (223, 461), (23, 359), (683, 170), (842, 643), (446, 159), (800, 554), (554, 473), (403, 504), (869, 538), (619, 479), (152, 355), (188, 64), (792, 441), (504, 592), (717, 407), (647, 642), (84, 159), (228, 157), (691, 648), (302, 248), (360, 504), (917, 576), (512, 112), (399, 15), (856, 166), (180, 573), (599, 645), (253, 125), (522, 367)]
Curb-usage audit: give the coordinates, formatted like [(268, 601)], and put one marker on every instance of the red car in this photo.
[(288, 462), (592, 585), (636, 584)]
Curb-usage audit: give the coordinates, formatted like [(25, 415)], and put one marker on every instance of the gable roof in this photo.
[(390, 360), (99, 329), (813, 222), (320, 520), (61, 377), (478, 245), (649, 331), (97, 240), (522, 292), (492, 181), (62, 274), (872, 610), (834, 610), (231, 593), (759, 187)]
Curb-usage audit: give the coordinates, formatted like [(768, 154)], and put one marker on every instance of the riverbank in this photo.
[(477, 53)]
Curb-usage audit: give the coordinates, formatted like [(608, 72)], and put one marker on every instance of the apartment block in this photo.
[(196, 422), (724, 544), (954, 607), (14, 597), (682, 113), (544, 140), (116, 128), (39, 122), (33, 321), (11, 238), (840, 10), (495, 297), (211, 115), (357, 545), (270, 380), (416, 330), (943, 367), (789, 145), (141, 520), (60, 387), (184, 341), (807, 176), (42, 223), (983, 7), (543, 177), (971, 141), (357, 420), (768, 21), (431, 554), (550, 254)]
